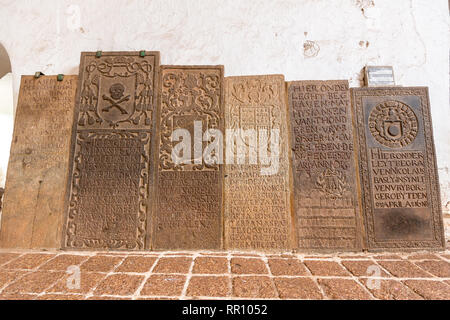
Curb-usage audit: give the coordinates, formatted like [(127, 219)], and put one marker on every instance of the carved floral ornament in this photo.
[(193, 95)]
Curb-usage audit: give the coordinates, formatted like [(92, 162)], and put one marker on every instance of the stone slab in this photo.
[(189, 196), (397, 163), (33, 211), (110, 184), (325, 182), (257, 188)]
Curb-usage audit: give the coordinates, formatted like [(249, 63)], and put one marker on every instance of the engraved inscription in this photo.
[(110, 182), (325, 196), (188, 212), (38, 166), (397, 164), (398, 179), (257, 206)]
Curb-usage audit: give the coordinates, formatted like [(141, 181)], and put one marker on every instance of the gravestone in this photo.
[(257, 185), (325, 182), (111, 157), (397, 164), (189, 210), (33, 206)]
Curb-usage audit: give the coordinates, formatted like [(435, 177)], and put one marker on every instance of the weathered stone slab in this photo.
[(325, 182), (110, 180), (400, 188), (33, 211), (257, 188), (188, 212)]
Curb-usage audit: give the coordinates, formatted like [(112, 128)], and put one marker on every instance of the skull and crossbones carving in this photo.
[(116, 99)]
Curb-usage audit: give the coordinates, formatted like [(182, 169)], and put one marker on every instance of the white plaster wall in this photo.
[(248, 37)]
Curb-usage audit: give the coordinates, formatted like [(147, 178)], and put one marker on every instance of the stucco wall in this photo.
[(303, 39)]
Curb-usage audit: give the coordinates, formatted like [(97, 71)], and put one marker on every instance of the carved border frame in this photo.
[(431, 166)]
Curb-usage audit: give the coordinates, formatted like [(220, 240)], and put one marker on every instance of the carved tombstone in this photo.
[(257, 185), (188, 203), (400, 188), (325, 182), (33, 207), (110, 179)]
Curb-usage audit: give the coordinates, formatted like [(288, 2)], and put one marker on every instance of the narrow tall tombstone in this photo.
[(33, 206), (257, 183), (324, 169), (399, 180), (189, 195), (110, 183)]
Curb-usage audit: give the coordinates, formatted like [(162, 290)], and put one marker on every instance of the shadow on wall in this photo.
[(6, 112)]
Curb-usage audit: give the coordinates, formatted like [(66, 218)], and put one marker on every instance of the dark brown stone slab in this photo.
[(110, 180), (33, 211), (188, 212), (257, 190), (400, 188), (325, 182)]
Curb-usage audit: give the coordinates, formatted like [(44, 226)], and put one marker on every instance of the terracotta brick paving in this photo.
[(222, 275)]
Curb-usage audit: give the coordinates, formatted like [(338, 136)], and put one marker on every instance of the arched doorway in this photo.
[(6, 112)]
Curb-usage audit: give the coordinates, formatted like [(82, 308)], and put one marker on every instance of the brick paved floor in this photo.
[(219, 275)]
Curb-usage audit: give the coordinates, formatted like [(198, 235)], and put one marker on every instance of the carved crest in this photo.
[(393, 124)]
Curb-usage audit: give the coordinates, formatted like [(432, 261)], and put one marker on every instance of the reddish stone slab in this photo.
[(210, 265), (325, 183), (189, 195), (257, 175), (33, 203), (248, 266), (432, 290), (254, 287), (110, 181), (390, 290), (164, 285), (208, 287), (342, 289), (297, 288), (397, 164)]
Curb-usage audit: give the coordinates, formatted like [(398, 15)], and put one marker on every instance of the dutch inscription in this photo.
[(325, 182), (39, 163), (189, 198), (400, 190), (111, 177), (257, 194)]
